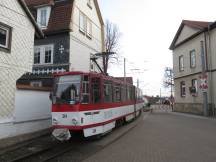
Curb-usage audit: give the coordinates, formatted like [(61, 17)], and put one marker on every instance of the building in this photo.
[(17, 32), (194, 64), (74, 32)]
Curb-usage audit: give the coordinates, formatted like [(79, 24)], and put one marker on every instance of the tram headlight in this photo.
[(74, 121), (55, 121)]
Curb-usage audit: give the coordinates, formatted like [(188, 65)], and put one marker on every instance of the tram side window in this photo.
[(117, 93), (95, 87), (128, 93), (123, 93), (108, 92), (133, 93), (85, 90)]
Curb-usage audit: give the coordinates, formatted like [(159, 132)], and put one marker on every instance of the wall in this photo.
[(185, 33), (60, 60), (17, 62), (32, 113), (184, 50), (188, 83), (37, 105), (81, 46), (189, 103)]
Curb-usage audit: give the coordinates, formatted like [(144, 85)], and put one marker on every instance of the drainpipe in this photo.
[(204, 70), (211, 85)]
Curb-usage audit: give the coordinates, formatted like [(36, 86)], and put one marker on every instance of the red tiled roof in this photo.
[(38, 2), (196, 24), (60, 16)]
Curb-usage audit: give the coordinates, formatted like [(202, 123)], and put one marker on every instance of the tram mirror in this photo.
[(51, 96)]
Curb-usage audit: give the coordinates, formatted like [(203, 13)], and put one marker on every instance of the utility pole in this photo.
[(160, 97), (124, 70), (204, 68)]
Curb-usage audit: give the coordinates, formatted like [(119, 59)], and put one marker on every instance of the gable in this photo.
[(92, 12), (186, 33), (187, 30)]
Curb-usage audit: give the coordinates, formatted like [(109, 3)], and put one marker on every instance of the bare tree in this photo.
[(111, 44), (168, 81)]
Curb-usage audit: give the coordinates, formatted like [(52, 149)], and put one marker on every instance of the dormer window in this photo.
[(43, 15)]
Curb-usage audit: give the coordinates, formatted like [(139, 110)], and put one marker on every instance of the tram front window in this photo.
[(67, 89)]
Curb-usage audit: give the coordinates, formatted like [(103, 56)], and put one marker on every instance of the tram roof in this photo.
[(119, 80)]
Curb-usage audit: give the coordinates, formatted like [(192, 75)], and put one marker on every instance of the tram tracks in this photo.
[(38, 151), (77, 149)]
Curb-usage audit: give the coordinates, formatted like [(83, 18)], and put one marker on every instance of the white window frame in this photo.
[(39, 50), (42, 54), (192, 58), (195, 84), (89, 28), (7, 29), (82, 28), (181, 63), (39, 10), (182, 86), (36, 84)]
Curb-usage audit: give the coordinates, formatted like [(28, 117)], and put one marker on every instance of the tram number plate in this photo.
[(64, 115)]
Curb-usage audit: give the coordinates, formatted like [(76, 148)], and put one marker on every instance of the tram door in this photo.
[(134, 91), (96, 99), (95, 90)]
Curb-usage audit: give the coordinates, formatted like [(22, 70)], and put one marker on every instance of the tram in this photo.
[(93, 103)]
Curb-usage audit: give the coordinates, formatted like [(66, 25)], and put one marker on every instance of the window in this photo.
[(85, 25), (89, 28), (37, 56), (117, 93), (82, 22), (194, 86), (5, 34), (181, 63), (192, 58), (36, 84), (183, 89), (43, 54), (123, 93), (95, 88), (108, 96), (85, 90), (67, 89), (48, 54), (43, 15)]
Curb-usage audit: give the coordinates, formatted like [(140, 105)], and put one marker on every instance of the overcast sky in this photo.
[(148, 28)]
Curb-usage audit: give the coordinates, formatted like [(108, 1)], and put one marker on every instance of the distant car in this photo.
[(166, 102)]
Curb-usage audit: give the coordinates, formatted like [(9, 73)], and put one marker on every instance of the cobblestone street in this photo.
[(163, 136)]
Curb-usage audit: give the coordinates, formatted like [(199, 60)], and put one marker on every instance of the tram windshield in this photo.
[(67, 89)]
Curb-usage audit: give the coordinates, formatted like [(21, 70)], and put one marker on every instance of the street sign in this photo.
[(203, 82)]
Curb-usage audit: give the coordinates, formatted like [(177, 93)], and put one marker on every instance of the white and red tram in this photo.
[(92, 102)]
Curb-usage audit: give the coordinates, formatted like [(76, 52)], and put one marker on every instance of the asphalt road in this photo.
[(164, 137)]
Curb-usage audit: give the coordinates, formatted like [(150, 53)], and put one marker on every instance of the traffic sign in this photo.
[(203, 82)]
